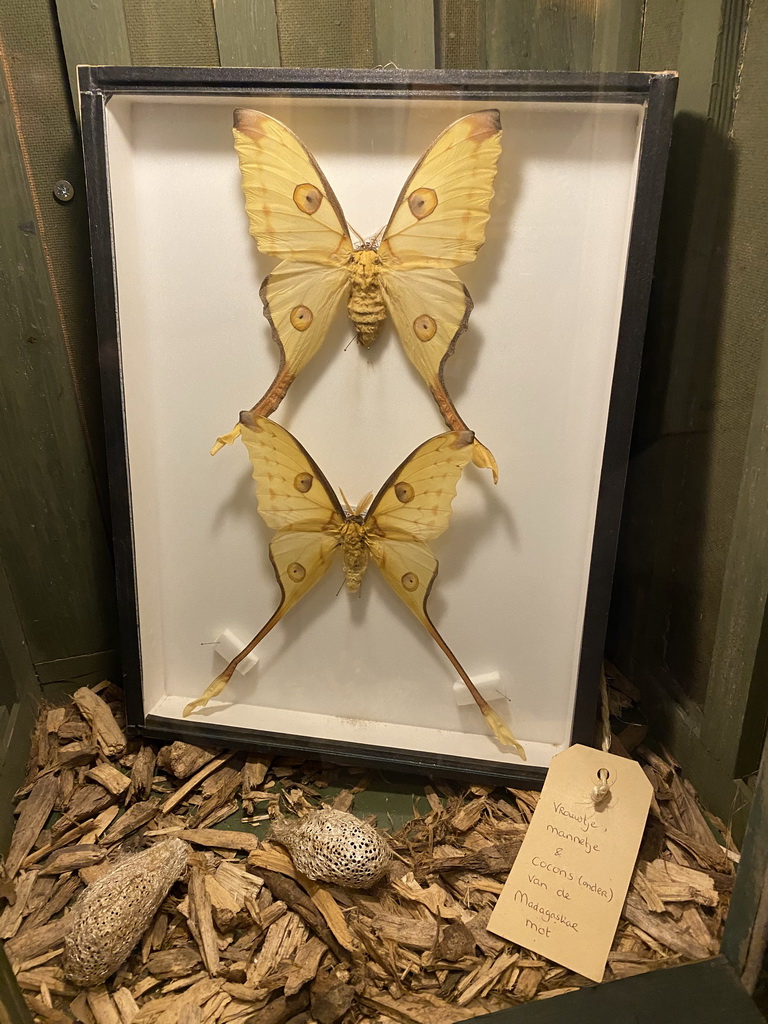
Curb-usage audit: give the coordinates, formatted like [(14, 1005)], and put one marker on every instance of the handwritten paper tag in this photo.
[(567, 886)]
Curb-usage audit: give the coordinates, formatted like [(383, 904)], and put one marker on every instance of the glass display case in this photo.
[(545, 374)]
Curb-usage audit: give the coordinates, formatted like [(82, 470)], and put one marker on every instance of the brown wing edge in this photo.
[(241, 117), (445, 402), (276, 391), (483, 458), (465, 438), (492, 118), (247, 420)]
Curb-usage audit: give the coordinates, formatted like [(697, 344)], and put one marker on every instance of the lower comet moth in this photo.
[(311, 524)]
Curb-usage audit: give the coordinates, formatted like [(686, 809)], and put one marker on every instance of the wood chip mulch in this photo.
[(285, 950)]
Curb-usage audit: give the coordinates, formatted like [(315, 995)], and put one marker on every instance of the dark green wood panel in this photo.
[(333, 34), (51, 151), (689, 595), (677, 726), (92, 33), (52, 536), (538, 34), (744, 941), (20, 696), (171, 33), (667, 590), (703, 993), (737, 697), (247, 33), (617, 35), (662, 35), (461, 33), (739, 462), (404, 33)]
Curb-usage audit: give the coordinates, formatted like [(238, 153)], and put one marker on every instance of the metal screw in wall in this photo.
[(64, 191)]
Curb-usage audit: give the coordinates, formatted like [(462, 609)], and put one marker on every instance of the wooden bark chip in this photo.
[(284, 948), (566, 889)]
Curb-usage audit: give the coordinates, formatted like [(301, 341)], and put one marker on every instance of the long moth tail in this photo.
[(483, 459), (265, 406), (501, 731), (221, 680), (226, 439)]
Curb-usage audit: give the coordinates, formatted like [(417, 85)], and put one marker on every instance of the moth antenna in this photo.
[(347, 502), (360, 238), (363, 504)]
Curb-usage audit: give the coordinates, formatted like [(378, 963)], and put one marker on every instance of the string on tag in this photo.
[(602, 790), (605, 713)]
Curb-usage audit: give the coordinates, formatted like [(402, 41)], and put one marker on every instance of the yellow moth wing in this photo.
[(295, 500), (440, 216), (292, 211), (415, 503), (291, 491), (430, 308), (300, 559), (300, 300), (409, 567)]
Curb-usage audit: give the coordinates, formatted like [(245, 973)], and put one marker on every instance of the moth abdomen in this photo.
[(355, 553), (366, 305), (367, 313)]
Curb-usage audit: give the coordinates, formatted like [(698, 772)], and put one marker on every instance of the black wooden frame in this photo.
[(655, 91)]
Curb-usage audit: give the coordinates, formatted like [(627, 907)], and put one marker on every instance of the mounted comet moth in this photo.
[(312, 526)]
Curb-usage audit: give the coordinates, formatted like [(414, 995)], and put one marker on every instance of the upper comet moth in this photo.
[(405, 271), (311, 524)]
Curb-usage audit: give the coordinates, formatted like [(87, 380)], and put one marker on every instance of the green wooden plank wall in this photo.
[(53, 540), (691, 585), (573, 35)]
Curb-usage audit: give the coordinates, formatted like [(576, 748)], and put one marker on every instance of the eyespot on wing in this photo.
[(410, 581), (424, 327), (307, 198), (303, 482), (422, 202), (301, 317)]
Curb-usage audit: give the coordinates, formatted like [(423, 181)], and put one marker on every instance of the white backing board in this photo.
[(532, 376)]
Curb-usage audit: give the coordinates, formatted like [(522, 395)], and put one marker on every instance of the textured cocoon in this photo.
[(114, 912), (333, 846)]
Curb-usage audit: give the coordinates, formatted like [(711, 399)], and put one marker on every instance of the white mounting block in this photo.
[(489, 685), (228, 646)]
